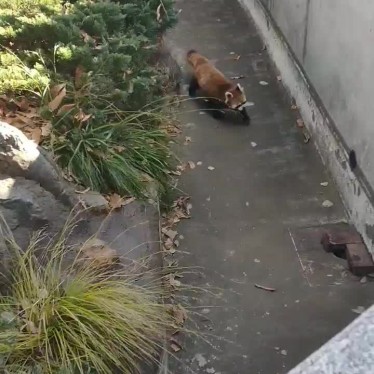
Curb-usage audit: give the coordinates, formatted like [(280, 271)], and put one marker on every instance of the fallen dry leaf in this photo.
[(181, 167), (56, 102), (81, 117), (300, 123), (174, 282), (98, 253), (188, 208), (35, 134), (179, 314), (23, 104), (65, 109), (46, 129), (175, 172), (170, 233), (306, 135), (269, 289), (168, 243), (19, 118), (187, 140), (236, 77), (55, 90), (191, 165), (175, 345), (78, 77), (327, 204), (85, 36), (116, 201), (119, 148)]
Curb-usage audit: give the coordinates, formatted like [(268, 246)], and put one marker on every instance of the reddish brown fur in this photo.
[(212, 82)]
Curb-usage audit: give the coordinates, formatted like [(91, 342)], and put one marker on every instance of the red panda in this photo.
[(214, 84)]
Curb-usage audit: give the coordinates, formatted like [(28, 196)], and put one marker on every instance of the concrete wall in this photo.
[(334, 42)]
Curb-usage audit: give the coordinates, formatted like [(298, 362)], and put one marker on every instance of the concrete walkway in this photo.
[(257, 217)]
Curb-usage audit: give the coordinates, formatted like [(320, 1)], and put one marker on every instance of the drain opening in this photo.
[(340, 253)]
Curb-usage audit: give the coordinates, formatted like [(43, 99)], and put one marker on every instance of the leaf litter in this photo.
[(116, 201), (23, 114)]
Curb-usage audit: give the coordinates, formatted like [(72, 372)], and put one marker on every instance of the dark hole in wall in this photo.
[(352, 159)]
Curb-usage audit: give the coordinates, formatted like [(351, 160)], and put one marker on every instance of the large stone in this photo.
[(94, 201), (21, 157), (27, 207)]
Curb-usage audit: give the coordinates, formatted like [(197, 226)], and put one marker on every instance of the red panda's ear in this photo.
[(228, 96), (239, 87)]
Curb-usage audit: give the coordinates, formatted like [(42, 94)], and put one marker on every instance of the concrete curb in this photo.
[(355, 192), (351, 351)]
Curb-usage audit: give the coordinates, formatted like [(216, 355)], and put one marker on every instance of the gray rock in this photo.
[(93, 200), (21, 157), (27, 207)]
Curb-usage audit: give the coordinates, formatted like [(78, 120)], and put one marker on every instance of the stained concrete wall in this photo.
[(334, 42)]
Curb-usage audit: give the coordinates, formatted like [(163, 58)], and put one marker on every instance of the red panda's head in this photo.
[(235, 97)]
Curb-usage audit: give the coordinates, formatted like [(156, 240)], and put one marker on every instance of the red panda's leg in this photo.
[(193, 87)]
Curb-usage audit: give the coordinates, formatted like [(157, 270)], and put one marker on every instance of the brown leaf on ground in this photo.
[(300, 123), (56, 102), (187, 140), (55, 90), (238, 77), (119, 148), (168, 243), (182, 167), (98, 253), (175, 172), (78, 77), (175, 345), (31, 113), (169, 233), (179, 314), (35, 134), (65, 109), (174, 282), (85, 36), (46, 129), (191, 165), (116, 201), (19, 118), (269, 289), (81, 117), (23, 104)]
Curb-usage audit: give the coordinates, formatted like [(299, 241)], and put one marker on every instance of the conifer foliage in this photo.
[(86, 66)]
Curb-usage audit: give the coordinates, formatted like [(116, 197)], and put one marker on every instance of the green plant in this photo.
[(111, 43), (65, 316)]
